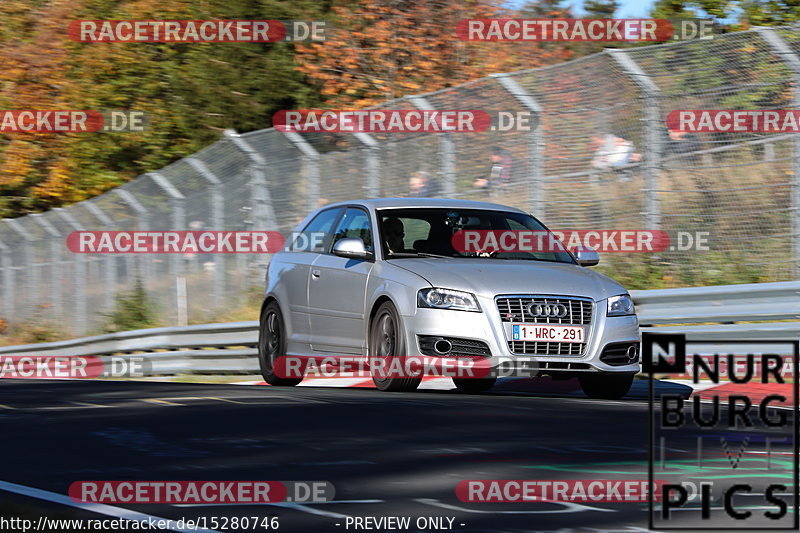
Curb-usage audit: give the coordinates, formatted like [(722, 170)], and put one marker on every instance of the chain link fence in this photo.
[(741, 188)]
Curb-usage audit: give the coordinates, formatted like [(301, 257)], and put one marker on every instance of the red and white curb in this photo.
[(544, 386), (428, 382)]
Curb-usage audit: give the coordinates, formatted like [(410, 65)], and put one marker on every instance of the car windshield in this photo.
[(428, 232)]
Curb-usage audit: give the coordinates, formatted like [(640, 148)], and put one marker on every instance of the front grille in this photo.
[(555, 365), (546, 348), (515, 309)]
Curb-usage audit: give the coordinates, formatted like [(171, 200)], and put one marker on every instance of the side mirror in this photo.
[(351, 248), (586, 257)]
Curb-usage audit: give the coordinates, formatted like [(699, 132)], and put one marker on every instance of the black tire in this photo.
[(474, 385), (606, 386), (272, 345), (387, 339)]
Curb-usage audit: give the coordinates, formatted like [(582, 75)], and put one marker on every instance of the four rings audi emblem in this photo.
[(547, 310)]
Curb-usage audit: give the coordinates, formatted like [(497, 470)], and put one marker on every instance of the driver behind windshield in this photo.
[(394, 232)]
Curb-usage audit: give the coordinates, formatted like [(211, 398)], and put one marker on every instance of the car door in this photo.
[(337, 290), (295, 269)]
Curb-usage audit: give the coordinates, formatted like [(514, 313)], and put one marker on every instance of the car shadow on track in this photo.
[(534, 387)]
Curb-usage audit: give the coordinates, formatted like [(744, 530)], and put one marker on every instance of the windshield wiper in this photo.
[(498, 258), (415, 254)]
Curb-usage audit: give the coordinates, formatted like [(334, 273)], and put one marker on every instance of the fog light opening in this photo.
[(633, 354), (442, 346)]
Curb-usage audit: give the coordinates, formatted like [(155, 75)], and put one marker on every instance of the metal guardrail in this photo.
[(724, 303), (231, 347), (227, 348), (225, 335)]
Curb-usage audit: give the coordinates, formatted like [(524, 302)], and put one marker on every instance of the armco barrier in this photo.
[(724, 303), (231, 347)]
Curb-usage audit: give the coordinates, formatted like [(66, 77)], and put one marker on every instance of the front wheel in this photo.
[(606, 386), (272, 345), (386, 343), (474, 385)]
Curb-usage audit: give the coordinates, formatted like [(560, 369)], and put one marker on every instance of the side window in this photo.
[(355, 223), (416, 229), (514, 225), (317, 232)]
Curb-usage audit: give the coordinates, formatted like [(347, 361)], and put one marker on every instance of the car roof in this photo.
[(385, 203)]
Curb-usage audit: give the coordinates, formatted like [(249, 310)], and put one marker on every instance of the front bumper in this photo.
[(488, 327)]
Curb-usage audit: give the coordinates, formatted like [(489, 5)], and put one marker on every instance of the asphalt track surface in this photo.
[(387, 454)]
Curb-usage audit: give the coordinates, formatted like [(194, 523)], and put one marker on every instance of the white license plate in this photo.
[(546, 333)]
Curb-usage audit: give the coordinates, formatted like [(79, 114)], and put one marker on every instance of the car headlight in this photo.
[(437, 298), (621, 305)]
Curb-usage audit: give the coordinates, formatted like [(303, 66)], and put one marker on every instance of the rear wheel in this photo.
[(606, 386), (387, 341), (272, 345), (474, 385)]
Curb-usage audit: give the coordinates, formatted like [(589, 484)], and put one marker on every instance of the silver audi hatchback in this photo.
[(382, 277)]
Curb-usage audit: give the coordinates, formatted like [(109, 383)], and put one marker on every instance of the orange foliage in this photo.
[(35, 76), (378, 50)]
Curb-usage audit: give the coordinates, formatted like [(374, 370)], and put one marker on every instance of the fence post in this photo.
[(56, 245), (373, 149), (217, 217), (31, 272), (310, 162), (8, 281), (143, 224), (176, 201), (262, 212), (109, 261), (785, 52), (448, 155), (79, 275), (535, 144), (653, 135)]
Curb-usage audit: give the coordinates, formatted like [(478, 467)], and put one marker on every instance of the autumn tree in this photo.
[(34, 167), (545, 9), (191, 91), (600, 9), (385, 49), (747, 12)]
